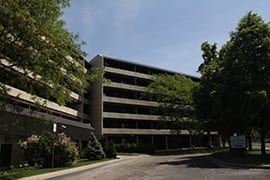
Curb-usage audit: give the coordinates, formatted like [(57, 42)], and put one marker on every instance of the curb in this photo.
[(76, 169), (237, 166)]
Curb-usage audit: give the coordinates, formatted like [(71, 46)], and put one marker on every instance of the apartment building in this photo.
[(25, 117), (116, 109), (120, 112)]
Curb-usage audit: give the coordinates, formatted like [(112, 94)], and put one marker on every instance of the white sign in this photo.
[(238, 142)]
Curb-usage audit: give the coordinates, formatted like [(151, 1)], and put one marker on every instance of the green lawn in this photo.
[(247, 158), (191, 151), (30, 171)]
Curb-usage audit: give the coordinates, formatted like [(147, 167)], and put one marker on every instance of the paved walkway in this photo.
[(77, 169)]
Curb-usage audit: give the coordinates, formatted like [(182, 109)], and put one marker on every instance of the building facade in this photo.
[(115, 108), (24, 117), (121, 112)]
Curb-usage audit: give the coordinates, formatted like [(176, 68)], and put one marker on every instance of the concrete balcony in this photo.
[(6, 63), (128, 73), (130, 116), (122, 131), (129, 101), (79, 98), (22, 95), (46, 116), (125, 86)]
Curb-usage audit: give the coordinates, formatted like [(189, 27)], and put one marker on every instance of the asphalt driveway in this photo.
[(184, 167)]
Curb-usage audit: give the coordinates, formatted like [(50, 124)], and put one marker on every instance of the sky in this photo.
[(162, 33)]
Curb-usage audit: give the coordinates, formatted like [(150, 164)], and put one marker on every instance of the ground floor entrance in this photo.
[(162, 142), (5, 155)]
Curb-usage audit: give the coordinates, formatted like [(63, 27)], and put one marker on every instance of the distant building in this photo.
[(120, 112)]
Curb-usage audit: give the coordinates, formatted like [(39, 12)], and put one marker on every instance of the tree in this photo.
[(241, 88), (38, 53), (108, 147), (207, 97), (174, 94), (94, 150)]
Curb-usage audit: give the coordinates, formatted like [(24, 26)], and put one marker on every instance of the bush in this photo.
[(108, 147), (38, 150), (94, 150), (148, 149), (80, 149), (127, 148), (134, 148)]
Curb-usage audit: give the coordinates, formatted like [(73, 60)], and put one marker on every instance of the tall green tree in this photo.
[(174, 94), (94, 150), (247, 69), (206, 97), (36, 46), (242, 86)]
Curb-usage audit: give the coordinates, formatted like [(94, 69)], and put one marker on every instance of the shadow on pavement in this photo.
[(197, 162)]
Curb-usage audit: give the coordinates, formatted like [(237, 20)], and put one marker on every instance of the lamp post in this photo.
[(54, 131)]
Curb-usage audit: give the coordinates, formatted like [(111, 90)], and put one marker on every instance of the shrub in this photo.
[(134, 148), (94, 150), (80, 149), (108, 147), (38, 150), (148, 149), (65, 151), (127, 148)]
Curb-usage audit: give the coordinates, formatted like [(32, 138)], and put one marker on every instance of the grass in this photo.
[(16, 173), (191, 151), (246, 158)]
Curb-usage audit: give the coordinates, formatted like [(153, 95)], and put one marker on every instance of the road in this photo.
[(183, 167)]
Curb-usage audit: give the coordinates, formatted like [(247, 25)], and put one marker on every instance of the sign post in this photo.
[(54, 131)]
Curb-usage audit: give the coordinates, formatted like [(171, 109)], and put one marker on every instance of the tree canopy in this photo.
[(36, 46), (174, 95), (234, 89)]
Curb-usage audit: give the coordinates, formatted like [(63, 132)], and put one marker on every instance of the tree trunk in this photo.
[(249, 142), (229, 141), (263, 152), (190, 141), (209, 140), (223, 142)]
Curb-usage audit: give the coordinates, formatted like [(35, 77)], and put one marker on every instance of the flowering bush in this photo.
[(38, 150)]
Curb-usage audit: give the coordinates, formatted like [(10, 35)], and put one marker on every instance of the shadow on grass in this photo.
[(244, 158), (190, 151)]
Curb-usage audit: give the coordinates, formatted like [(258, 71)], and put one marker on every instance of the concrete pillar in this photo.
[(219, 140), (152, 125), (137, 140), (166, 142), (152, 140), (190, 140)]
